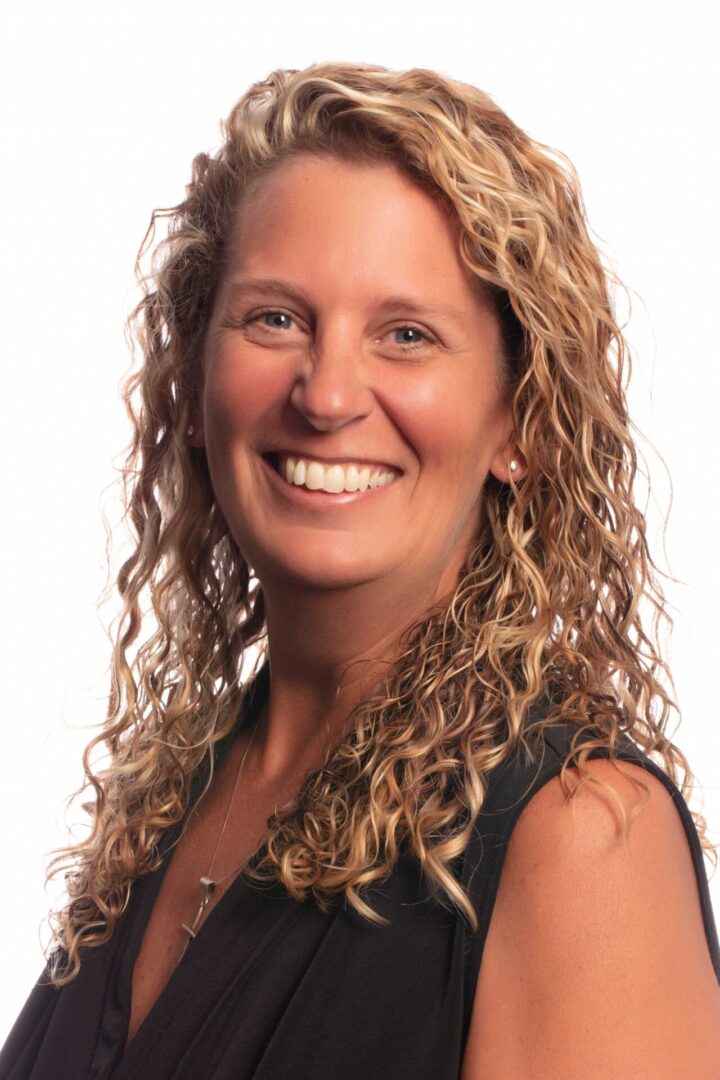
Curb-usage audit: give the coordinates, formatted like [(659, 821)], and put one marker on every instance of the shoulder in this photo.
[(592, 929)]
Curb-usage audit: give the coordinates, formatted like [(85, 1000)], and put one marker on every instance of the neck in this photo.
[(328, 650)]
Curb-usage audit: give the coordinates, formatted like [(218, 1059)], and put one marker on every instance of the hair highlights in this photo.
[(548, 607)]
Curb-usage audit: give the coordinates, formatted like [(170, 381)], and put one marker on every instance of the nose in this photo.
[(330, 389)]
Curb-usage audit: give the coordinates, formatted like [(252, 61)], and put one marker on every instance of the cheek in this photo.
[(240, 393), (448, 417)]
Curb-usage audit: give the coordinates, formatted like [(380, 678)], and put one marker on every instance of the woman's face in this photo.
[(347, 332)]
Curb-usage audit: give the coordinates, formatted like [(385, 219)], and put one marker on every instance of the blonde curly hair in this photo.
[(547, 607)]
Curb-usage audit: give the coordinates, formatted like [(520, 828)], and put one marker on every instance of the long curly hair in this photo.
[(548, 608)]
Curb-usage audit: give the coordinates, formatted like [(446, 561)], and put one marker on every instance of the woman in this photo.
[(381, 443)]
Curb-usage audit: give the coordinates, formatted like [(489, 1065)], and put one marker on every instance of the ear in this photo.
[(194, 433), (195, 429), (502, 459)]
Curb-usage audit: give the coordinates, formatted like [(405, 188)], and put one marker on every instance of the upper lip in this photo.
[(312, 456)]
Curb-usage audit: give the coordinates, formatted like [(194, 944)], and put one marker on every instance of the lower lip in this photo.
[(319, 500)]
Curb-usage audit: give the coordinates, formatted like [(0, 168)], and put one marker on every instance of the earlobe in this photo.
[(194, 434), (508, 465)]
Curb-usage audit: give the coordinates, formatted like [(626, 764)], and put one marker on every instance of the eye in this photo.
[(280, 320), (412, 330), (271, 313)]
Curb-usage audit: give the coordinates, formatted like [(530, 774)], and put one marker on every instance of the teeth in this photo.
[(315, 476), (299, 475), (352, 478), (333, 478)]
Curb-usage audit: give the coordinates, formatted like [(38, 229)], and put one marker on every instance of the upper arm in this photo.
[(596, 962)]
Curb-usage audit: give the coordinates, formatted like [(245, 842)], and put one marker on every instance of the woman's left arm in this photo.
[(596, 963)]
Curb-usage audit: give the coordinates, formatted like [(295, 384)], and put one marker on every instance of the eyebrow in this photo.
[(277, 287)]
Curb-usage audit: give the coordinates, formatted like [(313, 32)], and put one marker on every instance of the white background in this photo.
[(103, 109)]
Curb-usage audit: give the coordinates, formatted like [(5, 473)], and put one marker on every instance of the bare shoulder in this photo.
[(596, 962)]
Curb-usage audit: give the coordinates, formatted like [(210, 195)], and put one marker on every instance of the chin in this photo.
[(321, 570)]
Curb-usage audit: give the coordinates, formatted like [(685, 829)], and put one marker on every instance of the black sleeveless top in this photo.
[(272, 988)]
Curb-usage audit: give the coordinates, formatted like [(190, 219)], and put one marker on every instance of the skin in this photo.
[(340, 585), (332, 373)]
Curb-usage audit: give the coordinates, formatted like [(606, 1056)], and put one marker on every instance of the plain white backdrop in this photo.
[(103, 109)]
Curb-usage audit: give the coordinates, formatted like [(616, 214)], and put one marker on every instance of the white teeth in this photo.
[(298, 477), (352, 478), (333, 478), (315, 476), (286, 468)]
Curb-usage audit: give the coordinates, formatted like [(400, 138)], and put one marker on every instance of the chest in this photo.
[(177, 903), (275, 981)]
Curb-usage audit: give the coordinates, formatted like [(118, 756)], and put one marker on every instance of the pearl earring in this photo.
[(513, 465), (191, 429)]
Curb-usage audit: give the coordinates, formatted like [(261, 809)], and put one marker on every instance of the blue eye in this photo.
[(276, 314), (412, 330)]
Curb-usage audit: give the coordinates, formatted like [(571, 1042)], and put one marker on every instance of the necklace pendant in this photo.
[(207, 887)]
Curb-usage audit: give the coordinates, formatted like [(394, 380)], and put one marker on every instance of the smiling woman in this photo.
[(328, 383), (381, 444)]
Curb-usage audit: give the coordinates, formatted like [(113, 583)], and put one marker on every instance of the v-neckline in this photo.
[(252, 703)]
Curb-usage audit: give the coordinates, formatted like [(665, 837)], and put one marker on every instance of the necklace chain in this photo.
[(207, 882)]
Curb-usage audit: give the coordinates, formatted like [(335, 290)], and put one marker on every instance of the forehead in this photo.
[(316, 213), (306, 170)]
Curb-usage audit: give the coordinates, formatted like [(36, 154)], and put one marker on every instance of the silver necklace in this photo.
[(208, 884)]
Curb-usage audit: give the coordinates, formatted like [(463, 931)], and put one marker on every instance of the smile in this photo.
[(327, 483)]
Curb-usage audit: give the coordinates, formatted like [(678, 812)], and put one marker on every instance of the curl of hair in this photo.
[(548, 605)]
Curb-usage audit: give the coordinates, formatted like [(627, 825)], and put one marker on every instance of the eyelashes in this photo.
[(407, 346)]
